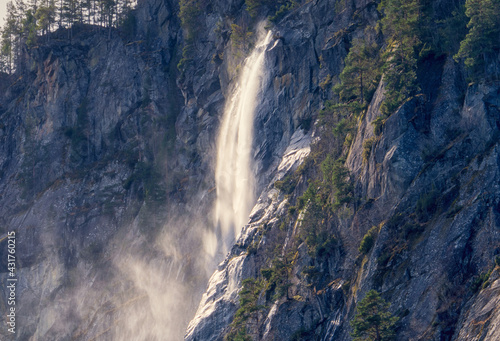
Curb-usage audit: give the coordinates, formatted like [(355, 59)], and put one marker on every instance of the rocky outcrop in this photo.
[(480, 322)]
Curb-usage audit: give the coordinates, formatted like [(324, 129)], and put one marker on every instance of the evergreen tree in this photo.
[(452, 30), (484, 33), (361, 73), (45, 16), (6, 51), (373, 321), (190, 11), (9, 34), (107, 12), (401, 25), (28, 30)]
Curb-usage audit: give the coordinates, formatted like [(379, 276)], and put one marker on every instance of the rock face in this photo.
[(106, 176), (429, 182), (93, 188)]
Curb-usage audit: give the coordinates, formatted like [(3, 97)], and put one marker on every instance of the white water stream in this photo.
[(234, 175)]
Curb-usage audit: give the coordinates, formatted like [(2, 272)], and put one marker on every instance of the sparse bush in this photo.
[(287, 185), (278, 277), (367, 148), (278, 7), (378, 124), (249, 297), (326, 82), (480, 282), (240, 38)]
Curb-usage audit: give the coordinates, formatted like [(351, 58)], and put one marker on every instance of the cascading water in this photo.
[(233, 173)]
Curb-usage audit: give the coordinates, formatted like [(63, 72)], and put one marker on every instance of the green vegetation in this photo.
[(404, 231), (482, 37), (373, 321), (481, 281), (287, 185), (190, 15), (368, 240), (278, 8), (278, 277), (378, 124), (190, 12), (27, 21), (337, 182), (249, 296), (367, 148), (319, 202), (400, 25), (414, 30), (284, 7), (240, 39), (360, 76), (451, 30)]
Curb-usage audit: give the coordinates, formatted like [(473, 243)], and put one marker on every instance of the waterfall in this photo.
[(234, 177)]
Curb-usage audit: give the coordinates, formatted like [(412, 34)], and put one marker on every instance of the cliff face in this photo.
[(88, 175), (429, 182), (106, 175)]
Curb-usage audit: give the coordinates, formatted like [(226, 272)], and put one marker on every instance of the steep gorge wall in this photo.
[(429, 183), (93, 187)]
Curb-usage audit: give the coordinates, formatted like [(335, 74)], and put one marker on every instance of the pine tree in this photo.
[(373, 321), (107, 12), (70, 15), (401, 25), (190, 11), (483, 36), (45, 16), (361, 72), (28, 30), (6, 51), (9, 32)]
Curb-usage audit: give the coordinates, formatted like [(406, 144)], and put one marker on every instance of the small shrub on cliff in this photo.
[(368, 240), (278, 277), (240, 38), (278, 7), (408, 39), (367, 148), (481, 281), (249, 296), (337, 181), (287, 185), (189, 13), (378, 124)]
